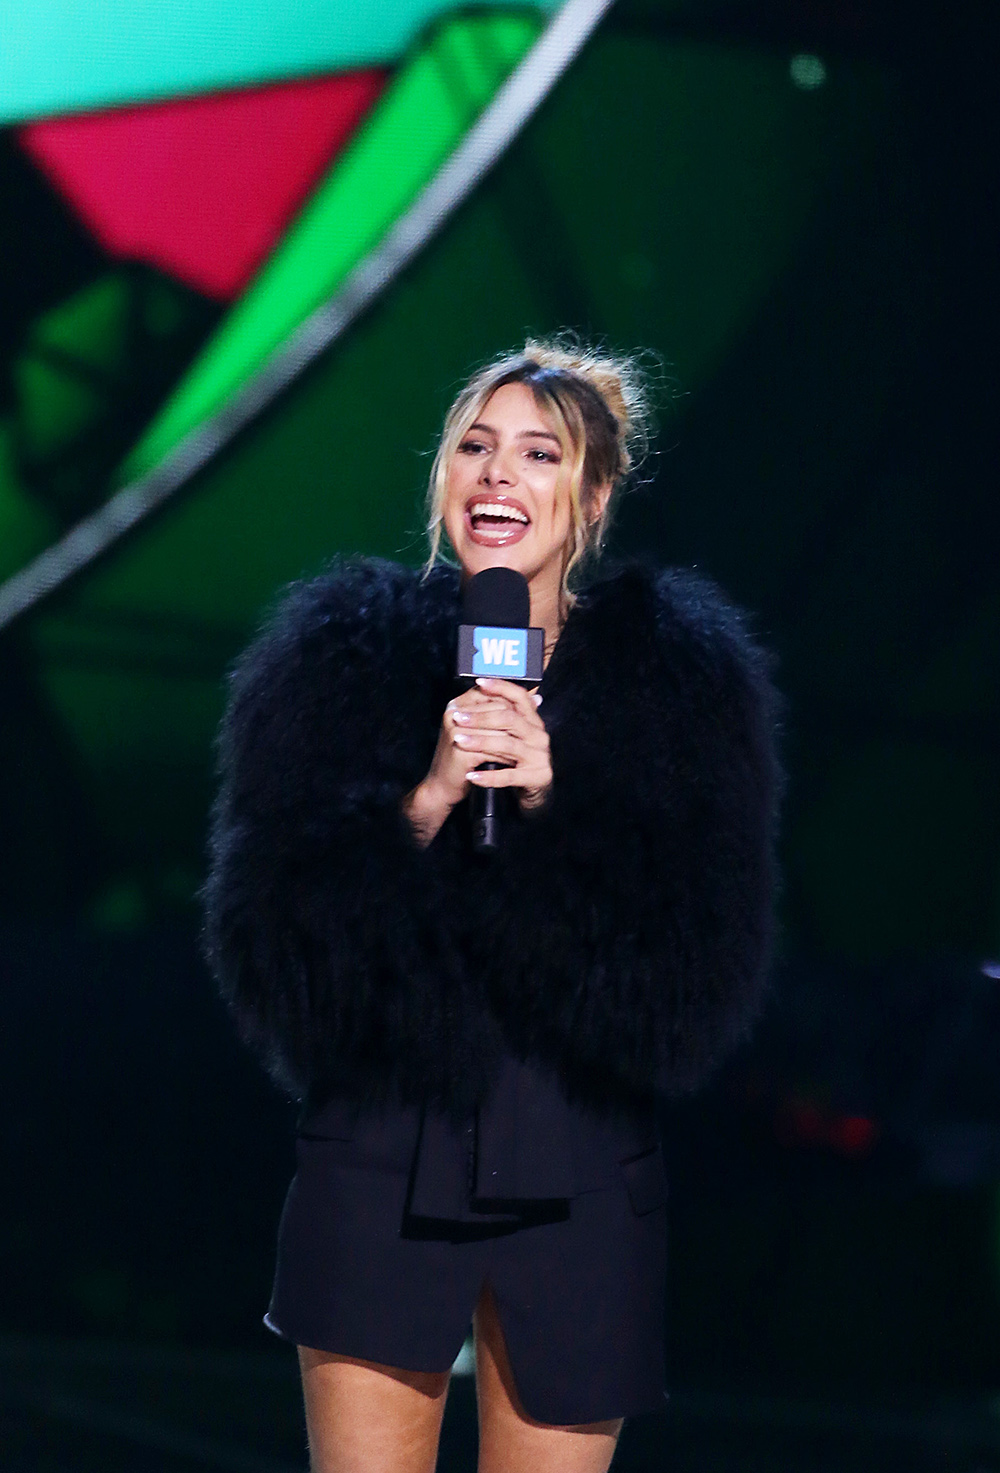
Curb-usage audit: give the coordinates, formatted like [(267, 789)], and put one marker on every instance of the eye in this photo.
[(471, 447), (547, 456)]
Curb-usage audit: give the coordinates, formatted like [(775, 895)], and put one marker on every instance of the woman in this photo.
[(478, 1042)]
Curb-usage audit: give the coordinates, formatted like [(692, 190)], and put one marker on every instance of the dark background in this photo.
[(817, 271)]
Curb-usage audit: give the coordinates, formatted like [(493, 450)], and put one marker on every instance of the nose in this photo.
[(499, 469)]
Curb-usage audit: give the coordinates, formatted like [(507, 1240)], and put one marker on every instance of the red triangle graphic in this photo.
[(202, 187)]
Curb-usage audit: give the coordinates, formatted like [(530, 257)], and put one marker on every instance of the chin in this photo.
[(499, 557), (475, 559)]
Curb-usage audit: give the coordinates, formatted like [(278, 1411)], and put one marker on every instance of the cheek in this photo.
[(559, 514)]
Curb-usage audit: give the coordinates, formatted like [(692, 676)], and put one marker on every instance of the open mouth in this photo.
[(496, 521)]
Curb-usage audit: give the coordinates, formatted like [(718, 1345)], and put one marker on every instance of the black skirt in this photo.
[(388, 1237)]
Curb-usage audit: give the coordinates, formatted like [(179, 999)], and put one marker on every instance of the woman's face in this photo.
[(507, 501)]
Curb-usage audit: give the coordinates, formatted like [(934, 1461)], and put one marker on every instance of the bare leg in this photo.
[(509, 1440), (366, 1418)]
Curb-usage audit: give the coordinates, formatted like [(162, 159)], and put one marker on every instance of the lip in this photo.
[(496, 536)]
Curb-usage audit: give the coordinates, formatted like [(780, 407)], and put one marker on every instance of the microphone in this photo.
[(494, 638)]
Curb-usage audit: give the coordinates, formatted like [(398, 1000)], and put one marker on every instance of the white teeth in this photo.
[(497, 509)]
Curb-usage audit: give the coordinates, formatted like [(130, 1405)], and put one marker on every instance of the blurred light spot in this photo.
[(991, 969), (803, 1122), (807, 71), (853, 1135), (121, 906)]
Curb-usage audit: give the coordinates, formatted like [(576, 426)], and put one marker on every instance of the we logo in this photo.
[(502, 652)]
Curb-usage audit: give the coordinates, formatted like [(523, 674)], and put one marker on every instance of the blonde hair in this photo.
[(599, 405)]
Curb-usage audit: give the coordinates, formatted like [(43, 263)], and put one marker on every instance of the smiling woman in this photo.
[(533, 450), (479, 1044)]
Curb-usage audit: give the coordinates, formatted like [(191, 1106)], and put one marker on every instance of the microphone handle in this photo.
[(485, 814)]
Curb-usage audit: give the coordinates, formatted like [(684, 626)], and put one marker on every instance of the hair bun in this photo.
[(621, 381)]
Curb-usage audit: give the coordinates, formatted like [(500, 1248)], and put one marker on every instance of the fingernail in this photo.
[(484, 681), (462, 716), (462, 739), (536, 698), (473, 776)]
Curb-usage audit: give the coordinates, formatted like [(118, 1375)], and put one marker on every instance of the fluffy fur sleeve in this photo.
[(326, 925), (636, 907)]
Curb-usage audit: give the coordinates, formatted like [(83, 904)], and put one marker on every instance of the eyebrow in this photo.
[(522, 435)]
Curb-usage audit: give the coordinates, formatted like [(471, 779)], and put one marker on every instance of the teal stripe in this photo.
[(59, 56)]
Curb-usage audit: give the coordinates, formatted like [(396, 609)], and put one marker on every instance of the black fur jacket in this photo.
[(620, 937)]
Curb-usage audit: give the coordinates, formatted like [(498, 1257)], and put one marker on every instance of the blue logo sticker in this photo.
[(500, 652)]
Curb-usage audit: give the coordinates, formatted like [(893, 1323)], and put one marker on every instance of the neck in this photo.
[(548, 609)]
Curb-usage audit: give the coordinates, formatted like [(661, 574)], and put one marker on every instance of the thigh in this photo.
[(365, 1418), (509, 1440)]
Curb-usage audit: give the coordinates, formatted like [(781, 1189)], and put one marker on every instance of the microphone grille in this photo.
[(498, 597)]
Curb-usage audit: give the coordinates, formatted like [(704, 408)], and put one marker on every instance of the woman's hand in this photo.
[(508, 729), (495, 721)]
